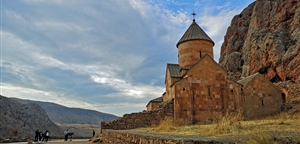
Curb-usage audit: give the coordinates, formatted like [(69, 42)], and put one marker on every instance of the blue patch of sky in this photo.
[(27, 33), (151, 69), (214, 6), (9, 77), (73, 82)]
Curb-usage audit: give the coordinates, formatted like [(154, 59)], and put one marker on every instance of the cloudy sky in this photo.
[(105, 55)]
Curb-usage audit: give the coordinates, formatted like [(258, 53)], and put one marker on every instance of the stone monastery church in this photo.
[(202, 92)]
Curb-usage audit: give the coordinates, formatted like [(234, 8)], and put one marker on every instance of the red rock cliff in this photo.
[(265, 38)]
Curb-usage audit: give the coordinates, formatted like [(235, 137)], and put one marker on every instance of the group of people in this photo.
[(40, 136)]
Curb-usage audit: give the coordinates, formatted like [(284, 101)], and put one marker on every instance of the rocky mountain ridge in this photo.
[(265, 38), (19, 119), (22, 120)]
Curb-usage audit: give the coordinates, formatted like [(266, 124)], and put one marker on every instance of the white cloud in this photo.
[(223, 6), (47, 24), (25, 93), (51, 2), (125, 107), (141, 6), (128, 89)]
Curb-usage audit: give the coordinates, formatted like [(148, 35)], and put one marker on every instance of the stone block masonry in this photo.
[(129, 137), (141, 119)]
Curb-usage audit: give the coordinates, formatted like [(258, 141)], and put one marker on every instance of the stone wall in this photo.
[(141, 119), (262, 98), (125, 137)]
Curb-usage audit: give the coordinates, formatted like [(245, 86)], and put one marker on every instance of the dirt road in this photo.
[(74, 141)]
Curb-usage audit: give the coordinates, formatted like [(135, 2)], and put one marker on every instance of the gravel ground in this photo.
[(74, 141)]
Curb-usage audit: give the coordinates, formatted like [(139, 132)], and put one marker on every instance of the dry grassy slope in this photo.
[(232, 129)]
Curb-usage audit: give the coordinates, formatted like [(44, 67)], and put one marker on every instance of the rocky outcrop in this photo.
[(20, 121), (265, 38)]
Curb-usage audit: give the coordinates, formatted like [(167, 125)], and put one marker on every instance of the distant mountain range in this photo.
[(64, 115)]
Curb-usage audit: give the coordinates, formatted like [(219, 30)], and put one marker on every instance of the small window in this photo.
[(200, 54), (183, 89), (262, 102), (283, 97)]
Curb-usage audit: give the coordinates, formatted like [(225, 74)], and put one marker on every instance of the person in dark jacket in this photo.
[(37, 133), (66, 135), (41, 136)]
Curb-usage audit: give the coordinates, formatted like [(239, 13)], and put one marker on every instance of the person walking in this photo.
[(41, 135), (37, 133), (93, 133), (46, 135), (66, 135)]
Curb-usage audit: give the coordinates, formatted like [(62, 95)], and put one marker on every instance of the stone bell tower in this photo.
[(192, 46)]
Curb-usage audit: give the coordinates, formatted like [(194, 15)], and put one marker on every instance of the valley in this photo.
[(21, 118)]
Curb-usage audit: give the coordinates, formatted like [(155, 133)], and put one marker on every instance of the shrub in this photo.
[(228, 124), (260, 137), (15, 132), (246, 23), (165, 125)]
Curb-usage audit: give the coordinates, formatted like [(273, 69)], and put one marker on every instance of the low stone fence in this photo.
[(141, 119), (125, 137)]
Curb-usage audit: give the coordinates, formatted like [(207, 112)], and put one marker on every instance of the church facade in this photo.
[(201, 90)]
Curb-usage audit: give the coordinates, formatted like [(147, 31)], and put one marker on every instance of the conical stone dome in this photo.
[(194, 32)]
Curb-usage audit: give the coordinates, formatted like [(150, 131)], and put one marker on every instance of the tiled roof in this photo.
[(186, 68), (246, 80), (194, 32), (159, 99), (174, 70)]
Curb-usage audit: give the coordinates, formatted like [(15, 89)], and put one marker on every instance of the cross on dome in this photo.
[(193, 15)]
